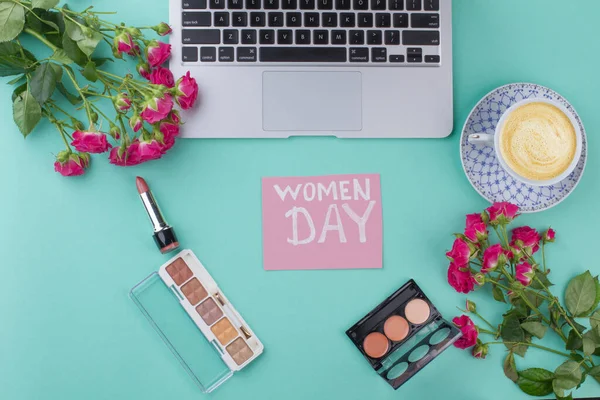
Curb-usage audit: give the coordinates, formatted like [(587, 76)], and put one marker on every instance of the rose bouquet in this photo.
[(143, 123), (511, 271)]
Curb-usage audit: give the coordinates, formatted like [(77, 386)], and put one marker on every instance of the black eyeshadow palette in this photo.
[(402, 334)]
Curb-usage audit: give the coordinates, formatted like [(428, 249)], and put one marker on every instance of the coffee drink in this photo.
[(538, 141)]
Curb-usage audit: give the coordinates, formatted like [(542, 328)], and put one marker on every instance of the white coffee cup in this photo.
[(494, 140)]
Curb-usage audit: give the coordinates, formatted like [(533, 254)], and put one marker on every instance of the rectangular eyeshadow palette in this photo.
[(402, 334)]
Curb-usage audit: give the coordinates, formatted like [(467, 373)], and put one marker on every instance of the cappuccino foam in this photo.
[(538, 141)]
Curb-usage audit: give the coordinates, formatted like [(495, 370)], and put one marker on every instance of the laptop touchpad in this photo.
[(312, 101)]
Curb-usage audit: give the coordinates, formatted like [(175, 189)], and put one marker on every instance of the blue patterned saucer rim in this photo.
[(546, 197)]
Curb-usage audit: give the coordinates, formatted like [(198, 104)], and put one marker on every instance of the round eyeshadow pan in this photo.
[(417, 311), (396, 328), (376, 345)]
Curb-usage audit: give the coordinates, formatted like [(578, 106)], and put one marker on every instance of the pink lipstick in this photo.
[(164, 235)]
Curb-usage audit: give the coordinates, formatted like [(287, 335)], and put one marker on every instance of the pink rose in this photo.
[(136, 123), (144, 70), (90, 142), (549, 235), (170, 129), (124, 43), (122, 102), (71, 164), (529, 239), (502, 213), (158, 52), (480, 350), (492, 257), (186, 91), (460, 253), (476, 232), (469, 331), (157, 109), (163, 29), (124, 157), (148, 150), (473, 219), (162, 76), (524, 273), (461, 281)]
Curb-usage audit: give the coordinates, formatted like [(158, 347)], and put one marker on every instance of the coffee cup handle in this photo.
[(481, 138)]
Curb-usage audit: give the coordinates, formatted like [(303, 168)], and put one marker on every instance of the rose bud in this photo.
[(90, 142), (157, 53), (123, 43), (122, 102), (502, 213), (524, 273), (479, 278), (549, 236), (480, 350), (77, 124), (493, 256), (144, 70), (157, 108), (186, 91), (471, 306), (71, 164), (136, 123), (135, 32), (162, 76), (163, 29), (115, 132)]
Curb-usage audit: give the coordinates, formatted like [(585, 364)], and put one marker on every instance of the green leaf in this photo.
[(510, 368), (101, 60), (574, 342), (61, 56), (89, 72), (88, 44), (18, 90), (588, 346), (535, 381), (568, 375), (26, 112), (580, 328), (16, 80), (595, 371), (597, 300), (45, 4), (498, 294), (73, 99), (14, 59), (43, 82), (511, 331), (595, 319), (593, 335), (543, 278), (537, 329), (73, 51), (12, 20), (74, 30), (580, 294), (534, 299)]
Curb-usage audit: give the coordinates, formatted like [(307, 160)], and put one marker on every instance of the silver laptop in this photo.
[(345, 68)]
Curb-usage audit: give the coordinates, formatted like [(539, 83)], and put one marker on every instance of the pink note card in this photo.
[(322, 222)]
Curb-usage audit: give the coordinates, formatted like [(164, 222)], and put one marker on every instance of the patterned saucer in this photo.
[(482, 168)]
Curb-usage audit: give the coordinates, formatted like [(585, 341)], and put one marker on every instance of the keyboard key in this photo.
[(196, 19), (415, 59), (307, 4), (302, 36), (230, 36), (383, 20), (257, 19), (303, 54), (217, 4), (253, 4), (271, 4), (239, 19), (267, 36), (248, 36), (329, 20), (421, 38), (361, 5), (347, 20), (338, 37), (419, 20), (432, 59), (226, 54), (221, 19), (320, 37), (374, 37), (342, 4), (293, 19), (194, 4), (414, 51), (357, 37), (392, 37), (378, 54), (413, 5), (396, 5), (246, 54), (201, 36), (325, 4), (396, 58), (358, 54), (285, 36), (432, 5), (189, 54), (377, 4), (311, 19), (235, 5), (365, 20), (275, 19), (208, 54), (289, 4), (400, 20)]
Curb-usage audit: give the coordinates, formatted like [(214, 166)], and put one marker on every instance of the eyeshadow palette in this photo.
[(402, 334), (227, 343)]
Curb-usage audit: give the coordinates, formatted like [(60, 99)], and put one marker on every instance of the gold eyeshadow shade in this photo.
[(417, 311), (179, 271), (194, 291), (209, 311), (376, 345), (224, 331), (396, 328), (239, 351)]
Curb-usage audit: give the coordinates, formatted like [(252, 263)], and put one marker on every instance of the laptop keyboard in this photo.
[(392, 32)]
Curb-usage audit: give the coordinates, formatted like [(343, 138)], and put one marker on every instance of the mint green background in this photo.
[(70, 249)]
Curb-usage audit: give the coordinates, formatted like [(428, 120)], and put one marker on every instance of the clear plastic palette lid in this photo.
[(198, 356)]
